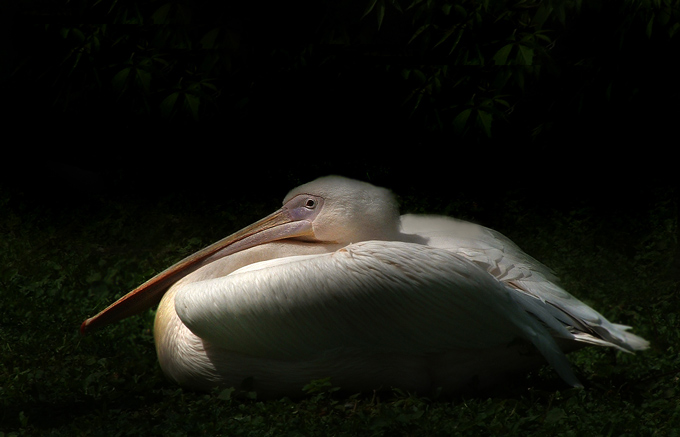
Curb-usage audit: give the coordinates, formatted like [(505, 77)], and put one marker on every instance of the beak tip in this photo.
[(84, 327)]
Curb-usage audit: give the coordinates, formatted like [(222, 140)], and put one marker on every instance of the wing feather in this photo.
[(530, 279), (376, 296)]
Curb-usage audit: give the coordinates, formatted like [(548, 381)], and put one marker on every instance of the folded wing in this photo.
[(370, 297), (535, 284)]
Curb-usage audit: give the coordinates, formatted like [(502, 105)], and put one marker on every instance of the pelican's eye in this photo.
[(310, 203)]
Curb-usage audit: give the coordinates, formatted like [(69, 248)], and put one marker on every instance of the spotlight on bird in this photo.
[(337, 284)]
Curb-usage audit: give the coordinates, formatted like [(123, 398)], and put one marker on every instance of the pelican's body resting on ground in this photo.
[(336, 284)]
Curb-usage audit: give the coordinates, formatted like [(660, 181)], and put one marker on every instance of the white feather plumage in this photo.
[(373, 300)]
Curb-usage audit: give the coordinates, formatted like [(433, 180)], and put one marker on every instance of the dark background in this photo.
[(273, 95)]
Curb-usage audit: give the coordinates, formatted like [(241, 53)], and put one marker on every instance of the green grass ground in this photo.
[(63, 260)]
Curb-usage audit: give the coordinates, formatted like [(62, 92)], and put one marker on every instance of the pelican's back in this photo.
[(535, 284)]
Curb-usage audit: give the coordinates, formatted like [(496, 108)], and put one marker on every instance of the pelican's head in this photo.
[(331, 210), (335, 209)]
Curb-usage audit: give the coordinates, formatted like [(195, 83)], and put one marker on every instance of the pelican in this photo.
[(337, 284)]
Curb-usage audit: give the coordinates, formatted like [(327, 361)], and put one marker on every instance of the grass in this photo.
[(61, 261)]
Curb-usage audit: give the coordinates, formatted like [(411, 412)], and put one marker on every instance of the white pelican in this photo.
[(336, 284)]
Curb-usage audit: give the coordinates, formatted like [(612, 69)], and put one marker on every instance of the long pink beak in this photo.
[(276, 226)]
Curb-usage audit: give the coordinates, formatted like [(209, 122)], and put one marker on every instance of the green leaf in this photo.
[(381, 13), (319, 386), (208, 40), (225, 394), (120, 78), (484, 118), (461, 119), (650, 23), (369, 8), (458, 37), (144, 79), (160, 16), (501, 102), (420, 30), (673, 30), (460, 10), (555, 415), (208, 85), (501, 56), (446, 36), (193, 103), (420, 76), (168, 104), (542, 36), (436, 83), (418, 100), (78, 34), (525, 56), (541, 14)]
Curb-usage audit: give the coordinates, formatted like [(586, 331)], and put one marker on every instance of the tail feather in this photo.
[(573, 320)]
